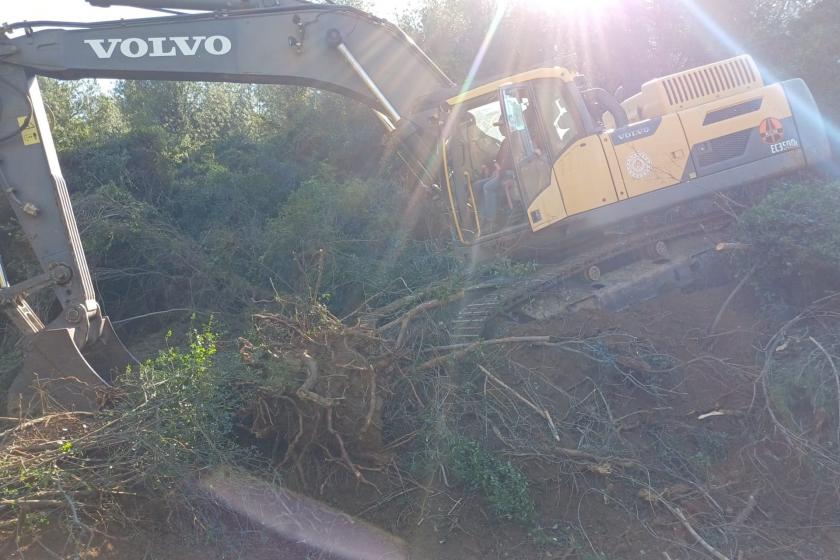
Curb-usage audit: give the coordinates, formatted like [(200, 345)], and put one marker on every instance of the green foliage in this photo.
[(504, 266), (80, 112), (501, 483), (359, 224), (195, 403), (794, 238), (145, 264)]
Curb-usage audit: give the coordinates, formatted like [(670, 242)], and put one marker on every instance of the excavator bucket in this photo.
[(57, 374)]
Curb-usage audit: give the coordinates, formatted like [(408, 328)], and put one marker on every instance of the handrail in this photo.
[(474, 205), (452, 206)]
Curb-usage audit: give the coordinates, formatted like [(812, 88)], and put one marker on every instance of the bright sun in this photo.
[(575, 7)]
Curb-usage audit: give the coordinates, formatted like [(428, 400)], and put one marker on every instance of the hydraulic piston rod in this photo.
[(335, 40)]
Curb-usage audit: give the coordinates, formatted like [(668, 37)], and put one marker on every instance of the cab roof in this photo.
[(490, 87)]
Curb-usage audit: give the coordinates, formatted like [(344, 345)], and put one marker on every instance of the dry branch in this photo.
[(729, 299), (464, 349), (700, 540), (540, 411), (836, 379)]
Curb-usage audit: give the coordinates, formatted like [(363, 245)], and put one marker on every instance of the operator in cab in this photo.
[(501, 178)]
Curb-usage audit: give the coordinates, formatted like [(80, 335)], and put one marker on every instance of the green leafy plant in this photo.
[(794, 241), (194, 403), (500, 482), (504, 266)]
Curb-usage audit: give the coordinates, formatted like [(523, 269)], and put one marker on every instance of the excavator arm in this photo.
[(324, 46)]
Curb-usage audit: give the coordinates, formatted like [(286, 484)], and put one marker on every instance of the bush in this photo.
[(500, 482), (172, 420), (794, 238), (191, 403), (361, 227)]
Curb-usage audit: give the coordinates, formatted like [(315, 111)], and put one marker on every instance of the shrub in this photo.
[(794, 238), (173, 419), (187, 405), (500, 482)]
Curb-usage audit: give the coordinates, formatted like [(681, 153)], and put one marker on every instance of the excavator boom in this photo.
[(325, 46)]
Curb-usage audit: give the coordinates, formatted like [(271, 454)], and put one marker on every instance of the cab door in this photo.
[(529, 150), (469, 150)]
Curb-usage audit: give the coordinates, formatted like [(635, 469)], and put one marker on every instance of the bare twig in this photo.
[(836, 379), (729, 299), (464, 349), (540, 411), (164, 312), (700, 540)]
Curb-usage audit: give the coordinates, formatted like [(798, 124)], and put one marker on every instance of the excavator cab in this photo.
[(498, 150)]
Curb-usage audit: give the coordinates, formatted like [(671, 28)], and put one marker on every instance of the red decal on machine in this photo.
[(771, 131)]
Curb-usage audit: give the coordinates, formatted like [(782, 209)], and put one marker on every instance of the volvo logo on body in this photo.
[(628, 134), (135, 47)]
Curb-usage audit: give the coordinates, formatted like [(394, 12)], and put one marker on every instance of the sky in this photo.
[(80, 10)]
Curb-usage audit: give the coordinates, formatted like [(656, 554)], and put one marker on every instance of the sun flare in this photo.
[(575, 7)]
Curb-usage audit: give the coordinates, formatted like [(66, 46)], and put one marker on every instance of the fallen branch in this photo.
[(836, 379), (700, 540), (540, 411), (424, 307), (466, 348), (729, 299), (720, 412), (727, 247), (744, 514), (585, 455)]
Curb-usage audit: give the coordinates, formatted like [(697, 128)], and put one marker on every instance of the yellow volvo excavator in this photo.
[(562, 162)]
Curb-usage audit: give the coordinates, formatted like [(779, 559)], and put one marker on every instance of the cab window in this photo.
[(523, 123), (528, 145), (486, 116), (561, 125)]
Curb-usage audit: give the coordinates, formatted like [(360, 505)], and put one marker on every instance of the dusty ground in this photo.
[(630, 389)]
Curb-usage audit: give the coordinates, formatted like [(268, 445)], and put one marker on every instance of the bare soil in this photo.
[(670, 418)]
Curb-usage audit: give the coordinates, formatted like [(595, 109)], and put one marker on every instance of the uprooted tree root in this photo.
[(324, 384), (321, 386)]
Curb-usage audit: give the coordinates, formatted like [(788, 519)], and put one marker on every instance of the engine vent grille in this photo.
[(711, 81), (723, 148)]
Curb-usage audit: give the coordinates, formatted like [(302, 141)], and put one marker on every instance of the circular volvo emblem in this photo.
[(639, 165)]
